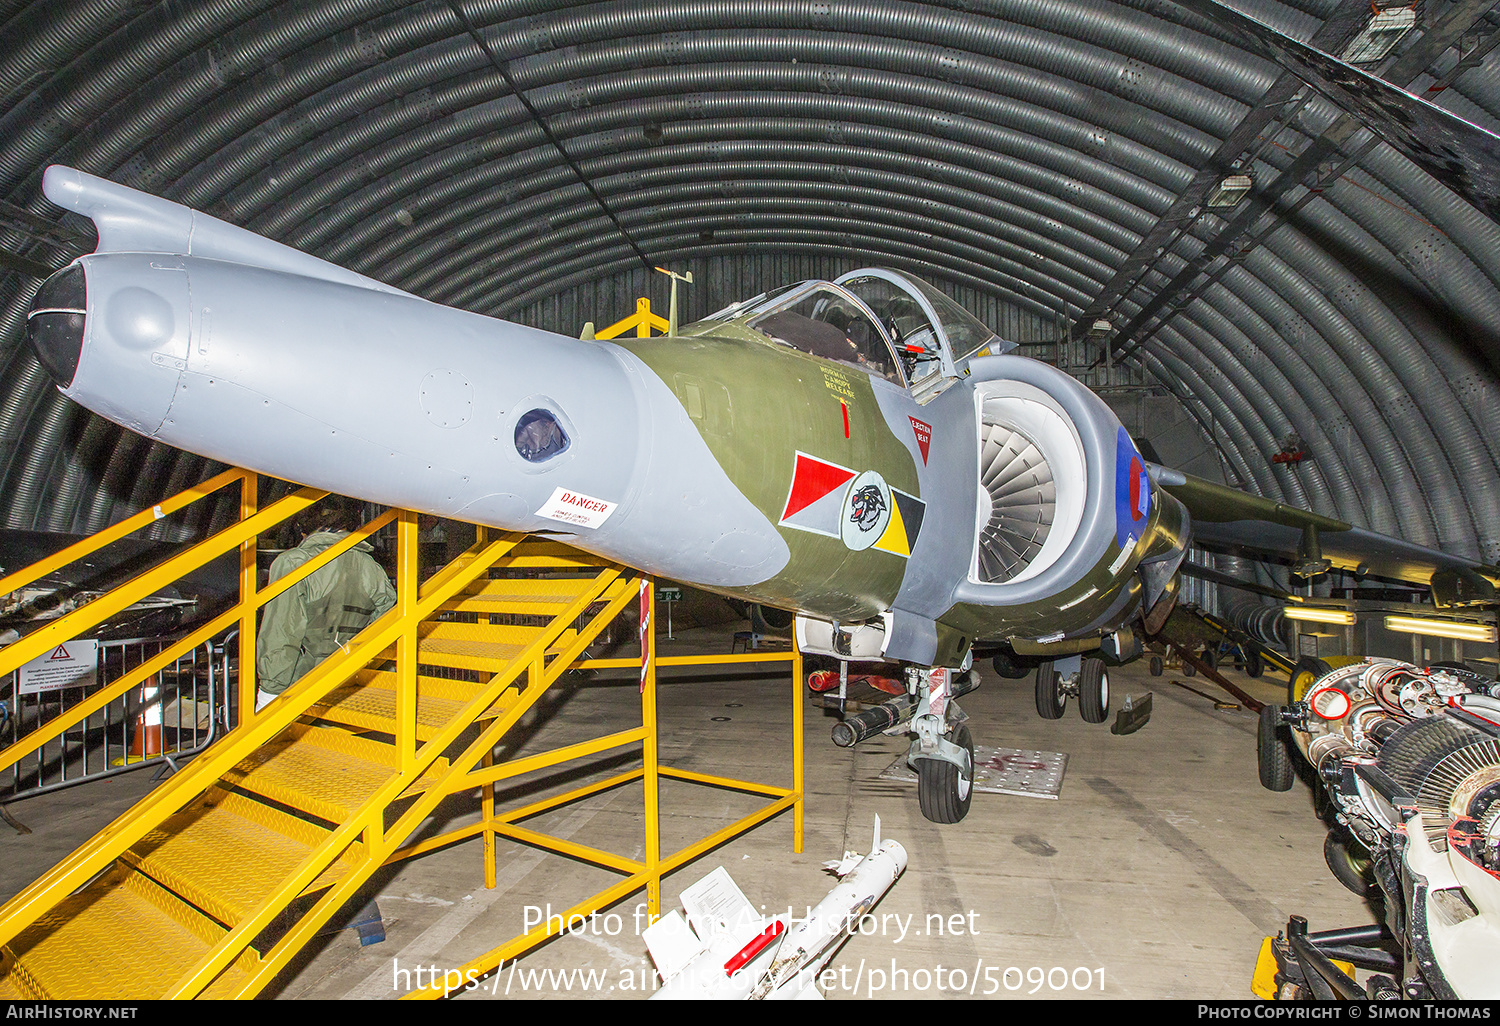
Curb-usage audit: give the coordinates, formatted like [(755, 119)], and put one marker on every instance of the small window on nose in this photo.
[(539, 436)]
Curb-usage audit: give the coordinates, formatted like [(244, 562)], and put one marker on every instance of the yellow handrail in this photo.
[(102, 608), (109, 535), (381, 843), (24, 909), (78, 713)]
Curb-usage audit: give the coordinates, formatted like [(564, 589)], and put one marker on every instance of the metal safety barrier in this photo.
[(175, 713)]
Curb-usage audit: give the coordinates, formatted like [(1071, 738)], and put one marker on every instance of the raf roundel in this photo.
[(1132, 491)]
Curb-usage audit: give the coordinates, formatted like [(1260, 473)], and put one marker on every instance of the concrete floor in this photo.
[(1155, 874)]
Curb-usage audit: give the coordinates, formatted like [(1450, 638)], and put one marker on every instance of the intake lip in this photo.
[(54, 326)]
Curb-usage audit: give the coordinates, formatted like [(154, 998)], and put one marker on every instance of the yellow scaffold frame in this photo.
[(643, 320), (649, 873), (424, 772)]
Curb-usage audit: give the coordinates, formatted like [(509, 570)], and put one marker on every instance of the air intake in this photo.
[(1023, 503), (1032, 483)]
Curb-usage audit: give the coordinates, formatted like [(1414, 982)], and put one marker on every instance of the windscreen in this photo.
[(916, 343)]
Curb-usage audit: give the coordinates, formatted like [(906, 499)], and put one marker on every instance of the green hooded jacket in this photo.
[(316, 616)]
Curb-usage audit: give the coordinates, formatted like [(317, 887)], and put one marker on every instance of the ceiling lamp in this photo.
[(1315, 615), (1442, 628), (1229, 191), (1382, 33)]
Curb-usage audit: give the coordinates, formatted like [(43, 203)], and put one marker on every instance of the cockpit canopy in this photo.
[(888, 324), (827, 321)]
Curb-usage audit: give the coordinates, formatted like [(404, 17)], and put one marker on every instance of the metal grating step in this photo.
[(475, 646), (227, 854), (16, 984), (368, 703), (552, 556), (76, 949), (322, 771), (525, 596)]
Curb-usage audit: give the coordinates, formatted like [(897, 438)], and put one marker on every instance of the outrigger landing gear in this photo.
[(942, 753)]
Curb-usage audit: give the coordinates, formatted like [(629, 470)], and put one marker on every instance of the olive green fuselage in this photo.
[(758, 405)]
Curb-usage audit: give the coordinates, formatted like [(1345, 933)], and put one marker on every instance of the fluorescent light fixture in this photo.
[(1382, 33), (1229, 191), (1316, 615), (1442, 628), (1100, 328)]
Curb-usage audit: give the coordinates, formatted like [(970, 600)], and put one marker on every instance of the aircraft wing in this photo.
[(1314, 543)]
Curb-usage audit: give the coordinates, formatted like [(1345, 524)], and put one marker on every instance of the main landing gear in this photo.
[(1083, 677)]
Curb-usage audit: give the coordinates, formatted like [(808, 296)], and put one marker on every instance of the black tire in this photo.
[(1210, 658), (1254, 665), (1349, 863), (1050, 701), (942, 793), (1188, 669), (1093, 691), (1155, 666), (1277, 773)]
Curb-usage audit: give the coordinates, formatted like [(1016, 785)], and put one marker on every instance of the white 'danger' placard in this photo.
[(576, 508)]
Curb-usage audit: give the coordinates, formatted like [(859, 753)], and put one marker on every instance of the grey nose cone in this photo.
[(55, 324)]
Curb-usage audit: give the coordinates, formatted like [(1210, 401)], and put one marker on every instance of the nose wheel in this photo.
[(942, 751), (943, 790)]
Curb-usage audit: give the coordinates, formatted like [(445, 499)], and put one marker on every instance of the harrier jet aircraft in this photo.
[(862, 452)]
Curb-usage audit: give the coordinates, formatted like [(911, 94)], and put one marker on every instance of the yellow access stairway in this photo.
[(211, 884)]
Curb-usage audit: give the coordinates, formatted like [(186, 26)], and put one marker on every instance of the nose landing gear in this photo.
[(942, 754)]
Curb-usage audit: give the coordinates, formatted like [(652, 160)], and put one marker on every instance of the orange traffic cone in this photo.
[(145, 739)]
